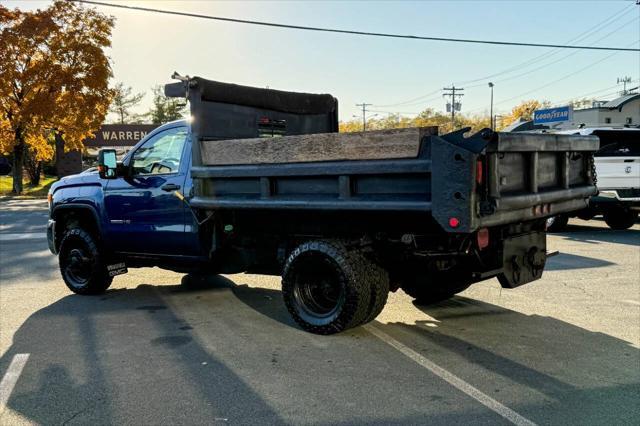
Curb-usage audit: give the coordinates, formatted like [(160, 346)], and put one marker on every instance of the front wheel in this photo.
[(81, 263), (327, 287), (620, 218)]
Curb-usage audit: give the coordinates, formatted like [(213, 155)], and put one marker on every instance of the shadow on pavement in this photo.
[(123, 358), (27, 259), (585, 377), (126, 357), (596, 235), (565, 261)]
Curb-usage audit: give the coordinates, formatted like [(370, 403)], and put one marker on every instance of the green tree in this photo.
[(165, 109), (122, 103), (54, 76)]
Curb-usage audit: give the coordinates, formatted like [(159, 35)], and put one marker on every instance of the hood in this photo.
[(91, 178)]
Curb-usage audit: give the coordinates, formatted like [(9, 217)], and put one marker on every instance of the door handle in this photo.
[(170, 187)]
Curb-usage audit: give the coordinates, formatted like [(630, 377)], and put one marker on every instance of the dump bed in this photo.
[(279, 151)]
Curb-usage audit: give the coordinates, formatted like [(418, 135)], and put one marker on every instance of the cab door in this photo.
[(143, 214)]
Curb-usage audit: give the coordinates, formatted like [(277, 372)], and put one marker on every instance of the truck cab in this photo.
[(139, 212)]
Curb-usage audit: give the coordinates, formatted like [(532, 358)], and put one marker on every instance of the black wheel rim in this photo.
[(319, 289), (77, 266)]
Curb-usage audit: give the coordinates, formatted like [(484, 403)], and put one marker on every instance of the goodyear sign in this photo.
[(553, 115)]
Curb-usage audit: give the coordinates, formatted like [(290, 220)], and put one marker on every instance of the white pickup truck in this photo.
[(617, 166)]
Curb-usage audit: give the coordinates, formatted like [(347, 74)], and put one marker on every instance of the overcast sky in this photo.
[(147, 48)]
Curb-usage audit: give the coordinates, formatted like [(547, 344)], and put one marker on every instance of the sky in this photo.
[(395, 75)]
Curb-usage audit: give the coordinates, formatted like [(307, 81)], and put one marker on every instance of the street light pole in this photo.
[(491, 108)]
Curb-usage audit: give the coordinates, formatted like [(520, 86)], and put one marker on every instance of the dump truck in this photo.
[(261, 181)]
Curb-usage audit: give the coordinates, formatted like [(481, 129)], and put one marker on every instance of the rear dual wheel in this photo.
[(329, 287)]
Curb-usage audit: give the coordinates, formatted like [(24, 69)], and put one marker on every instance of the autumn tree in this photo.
[(428, 117), (54, 77), (165, 109), (123, 101), (524, 111)]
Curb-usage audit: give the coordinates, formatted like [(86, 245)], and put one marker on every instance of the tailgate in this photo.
[(501, 178)]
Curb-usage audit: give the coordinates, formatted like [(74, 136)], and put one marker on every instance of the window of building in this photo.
[(607, 120), (629, 120)]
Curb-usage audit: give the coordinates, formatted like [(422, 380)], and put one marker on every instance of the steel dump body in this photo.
[(486, 180)]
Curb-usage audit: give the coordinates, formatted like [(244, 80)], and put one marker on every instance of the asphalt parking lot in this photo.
[(563, 350)]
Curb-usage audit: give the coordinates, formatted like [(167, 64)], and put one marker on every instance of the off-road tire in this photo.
[(340, 273), (557, 223), (79, 244), (619, 218), (379, 282), (426, 290)]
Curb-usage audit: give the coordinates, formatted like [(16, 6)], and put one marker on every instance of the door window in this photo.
[(161, 154), (622, 147)]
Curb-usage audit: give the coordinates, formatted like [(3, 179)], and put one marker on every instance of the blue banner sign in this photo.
[(553, 115)]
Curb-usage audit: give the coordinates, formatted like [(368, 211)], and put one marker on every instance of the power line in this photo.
[(585, 34), (409, 101), (555, 61), (552, 52), (595, 92), (559, 79), (352, 32)]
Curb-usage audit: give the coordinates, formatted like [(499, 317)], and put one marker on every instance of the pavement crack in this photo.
[(74, 415), (578, 288)]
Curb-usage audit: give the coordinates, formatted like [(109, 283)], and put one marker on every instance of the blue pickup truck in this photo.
[(260, 181), (140, 218)]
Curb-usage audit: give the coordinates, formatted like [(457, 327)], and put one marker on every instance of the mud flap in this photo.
[(524, 257), (117, 269)]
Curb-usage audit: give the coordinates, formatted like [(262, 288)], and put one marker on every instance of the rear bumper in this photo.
[(528, 207), (624, 195), (51, 236)]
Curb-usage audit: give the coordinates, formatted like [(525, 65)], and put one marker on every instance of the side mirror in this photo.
[(107, 164)]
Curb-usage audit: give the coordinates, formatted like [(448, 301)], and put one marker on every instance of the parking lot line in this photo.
[(451, 378), (11, 378)]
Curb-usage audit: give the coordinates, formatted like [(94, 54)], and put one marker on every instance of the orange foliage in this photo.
[(54, 76)]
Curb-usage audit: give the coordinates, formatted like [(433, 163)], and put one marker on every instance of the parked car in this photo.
[(617, 165)]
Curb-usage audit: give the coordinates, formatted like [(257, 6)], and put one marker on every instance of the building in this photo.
[(622, 111), (121, 137)]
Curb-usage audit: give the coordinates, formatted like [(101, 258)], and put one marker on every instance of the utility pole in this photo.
[(364, 115), (624, 81), (453, 106), (491, 108)]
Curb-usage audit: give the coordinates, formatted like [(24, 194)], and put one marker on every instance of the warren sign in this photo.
[(553, 115), (119, 135)]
